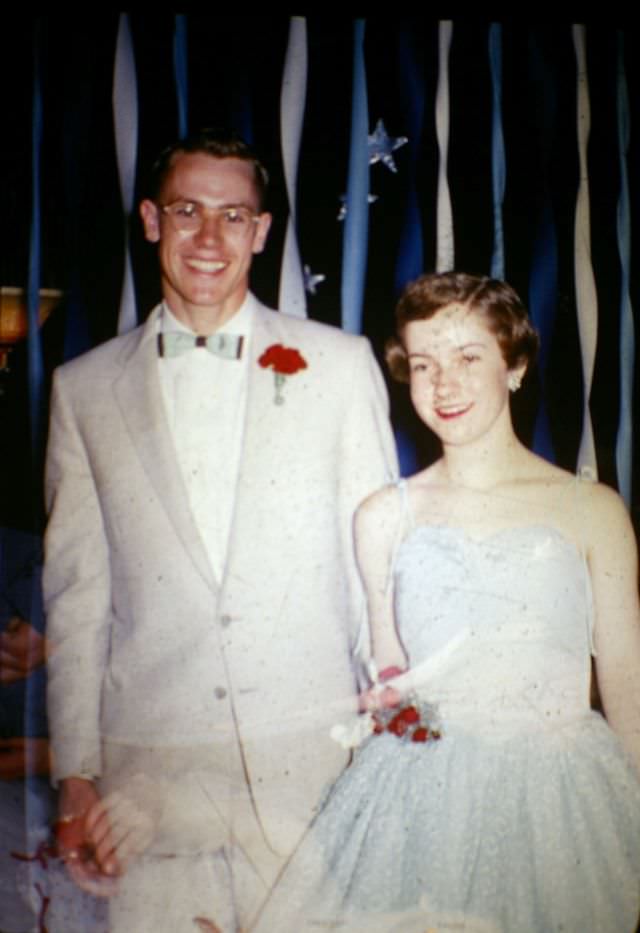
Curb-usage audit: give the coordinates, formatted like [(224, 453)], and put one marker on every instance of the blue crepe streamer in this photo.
[(624, 440), (35, 809), (356, 228), (498, 166), (34, 347), (180, 70)]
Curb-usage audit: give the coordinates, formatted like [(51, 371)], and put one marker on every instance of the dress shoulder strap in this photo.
[(365, 667), (585, 474), (405, 524), (406, 511)]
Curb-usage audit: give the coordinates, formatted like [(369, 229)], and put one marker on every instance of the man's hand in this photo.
[(92, 865), (22, 650), (98, 836), (20, 757)]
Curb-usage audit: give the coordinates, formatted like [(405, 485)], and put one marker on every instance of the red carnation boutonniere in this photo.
[(284, 361)]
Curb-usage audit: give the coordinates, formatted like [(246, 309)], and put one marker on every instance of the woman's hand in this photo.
[(379, 697)]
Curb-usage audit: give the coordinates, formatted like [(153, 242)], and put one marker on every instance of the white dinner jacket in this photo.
[(148, 647)]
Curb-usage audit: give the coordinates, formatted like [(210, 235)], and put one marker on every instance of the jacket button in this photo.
[(220, 693), (225, 620)]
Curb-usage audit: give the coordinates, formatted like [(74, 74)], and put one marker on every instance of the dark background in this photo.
[(234, 79)]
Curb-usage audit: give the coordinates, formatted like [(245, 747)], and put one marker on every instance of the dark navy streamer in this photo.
[(410, 261), (543, 283), (498, 166)]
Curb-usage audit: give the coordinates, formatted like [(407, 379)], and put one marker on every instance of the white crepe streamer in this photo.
[(291, 296), (125, 119), (444, 249), (586, 296)]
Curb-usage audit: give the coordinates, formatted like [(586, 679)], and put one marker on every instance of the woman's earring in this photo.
[(514, 382)]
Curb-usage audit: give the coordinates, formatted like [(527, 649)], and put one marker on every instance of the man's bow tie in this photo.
[(173, 343)]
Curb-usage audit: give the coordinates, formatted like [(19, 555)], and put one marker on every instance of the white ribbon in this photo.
[(292, 100), (125, 119), (586, 296), (444, 249)]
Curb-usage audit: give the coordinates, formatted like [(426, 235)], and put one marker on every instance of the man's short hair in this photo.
[(219, 144), (505, 315)]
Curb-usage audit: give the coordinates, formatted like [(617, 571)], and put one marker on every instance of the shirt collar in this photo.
[(240, 323)]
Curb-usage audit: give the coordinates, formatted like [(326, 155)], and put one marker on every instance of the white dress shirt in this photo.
[(205, 397)]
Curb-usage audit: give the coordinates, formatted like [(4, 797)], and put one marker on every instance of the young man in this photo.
[(202, 598)]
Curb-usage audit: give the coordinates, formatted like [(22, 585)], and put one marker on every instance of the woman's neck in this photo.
[(485, 464)]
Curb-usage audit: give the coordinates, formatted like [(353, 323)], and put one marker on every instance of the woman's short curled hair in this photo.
[(497, 302)]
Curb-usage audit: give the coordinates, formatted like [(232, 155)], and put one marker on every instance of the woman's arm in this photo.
[(613, 562), (378, 527)]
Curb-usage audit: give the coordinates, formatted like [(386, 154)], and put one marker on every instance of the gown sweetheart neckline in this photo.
[(461, 532)]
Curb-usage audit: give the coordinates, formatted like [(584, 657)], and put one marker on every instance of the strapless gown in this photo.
[(525, 815)]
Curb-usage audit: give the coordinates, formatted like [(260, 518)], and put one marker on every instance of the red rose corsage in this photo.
[(414, 722)]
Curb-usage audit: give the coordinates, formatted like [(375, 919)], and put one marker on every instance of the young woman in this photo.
[(490, 796)]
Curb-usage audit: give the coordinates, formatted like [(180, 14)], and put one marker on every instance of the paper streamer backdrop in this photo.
[(494, 174)]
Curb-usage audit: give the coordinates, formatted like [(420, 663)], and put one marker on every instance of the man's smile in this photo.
[(206, 265)]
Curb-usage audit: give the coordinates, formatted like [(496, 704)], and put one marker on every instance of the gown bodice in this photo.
[(499, 627)]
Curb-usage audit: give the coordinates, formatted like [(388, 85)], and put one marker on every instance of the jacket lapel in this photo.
[(139, 396), (266, 450)]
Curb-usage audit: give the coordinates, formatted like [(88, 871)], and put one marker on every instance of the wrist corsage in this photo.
[(415, 721), (410, 719)]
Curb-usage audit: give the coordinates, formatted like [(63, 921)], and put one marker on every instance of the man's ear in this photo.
[(150, 220), (262, 231)]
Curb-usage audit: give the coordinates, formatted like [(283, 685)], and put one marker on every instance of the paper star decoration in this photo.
[(311, 280), (381, 145), (342, 213)]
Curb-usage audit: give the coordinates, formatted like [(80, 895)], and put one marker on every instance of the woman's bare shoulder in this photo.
[(384, 508), (379, 510), (607, 510), (538, 470)]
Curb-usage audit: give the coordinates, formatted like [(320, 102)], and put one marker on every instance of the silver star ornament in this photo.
[(381, 146), (311, 280)]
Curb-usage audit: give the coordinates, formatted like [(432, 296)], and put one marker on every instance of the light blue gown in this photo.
[(526, 814)]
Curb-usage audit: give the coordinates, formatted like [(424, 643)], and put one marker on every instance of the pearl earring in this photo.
[(514, 381)]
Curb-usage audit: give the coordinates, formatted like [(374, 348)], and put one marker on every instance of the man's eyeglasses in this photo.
[(189, 216)]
